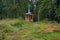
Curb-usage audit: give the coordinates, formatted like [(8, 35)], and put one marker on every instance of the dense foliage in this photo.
[(17, 8), (13, 8)]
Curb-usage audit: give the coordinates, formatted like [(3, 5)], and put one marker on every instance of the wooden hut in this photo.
[(29, 17)]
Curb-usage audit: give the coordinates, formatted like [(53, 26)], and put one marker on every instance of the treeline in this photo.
[(13, 8), (49, 9), (17, 8)]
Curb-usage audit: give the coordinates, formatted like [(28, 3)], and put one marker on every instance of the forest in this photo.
[(45, 24), (17, 8)]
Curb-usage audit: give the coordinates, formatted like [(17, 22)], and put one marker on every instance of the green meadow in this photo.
[(18, 29)]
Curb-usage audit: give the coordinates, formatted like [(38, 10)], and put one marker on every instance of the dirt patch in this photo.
[(58, 38), (49, 28)]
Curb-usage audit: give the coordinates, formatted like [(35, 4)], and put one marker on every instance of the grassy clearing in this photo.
[(20, 30)]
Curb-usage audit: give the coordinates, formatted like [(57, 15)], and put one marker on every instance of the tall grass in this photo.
[(21, 30)]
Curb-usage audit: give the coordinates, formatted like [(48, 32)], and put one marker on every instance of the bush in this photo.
[(19, 24)]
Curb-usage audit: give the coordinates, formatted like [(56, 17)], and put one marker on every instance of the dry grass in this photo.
[(8, 21), (28, 30)]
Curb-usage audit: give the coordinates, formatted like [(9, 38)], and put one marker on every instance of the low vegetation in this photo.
[(21, 30)]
